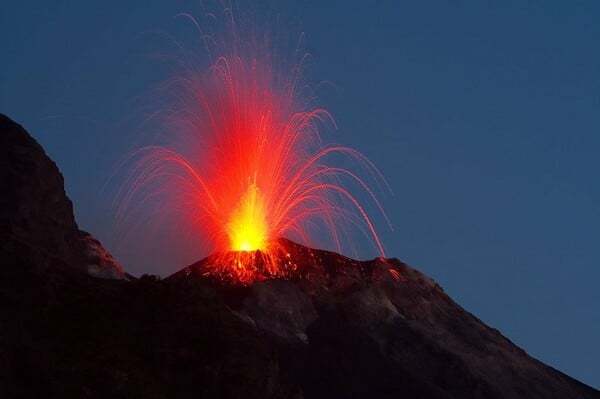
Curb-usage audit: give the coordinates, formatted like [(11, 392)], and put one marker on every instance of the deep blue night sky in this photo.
[(483, 116)]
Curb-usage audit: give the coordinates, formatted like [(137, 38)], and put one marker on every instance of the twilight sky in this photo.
[(484, 118)]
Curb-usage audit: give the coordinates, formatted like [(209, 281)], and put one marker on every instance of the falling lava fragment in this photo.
[(247, 166)]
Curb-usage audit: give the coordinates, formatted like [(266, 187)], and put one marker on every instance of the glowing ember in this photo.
[(248, 164)]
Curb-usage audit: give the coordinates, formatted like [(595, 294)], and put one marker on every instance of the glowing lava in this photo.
[(247, 228), (246, 163)]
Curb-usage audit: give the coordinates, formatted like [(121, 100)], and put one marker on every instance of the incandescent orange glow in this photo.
[(247, 228), (246, 163)]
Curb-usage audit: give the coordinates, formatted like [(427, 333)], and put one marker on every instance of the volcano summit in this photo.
[(74, 324)]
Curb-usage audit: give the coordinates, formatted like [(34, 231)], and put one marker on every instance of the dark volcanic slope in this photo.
[(37, 226), (73, 324), (34, 208), (380, 328)]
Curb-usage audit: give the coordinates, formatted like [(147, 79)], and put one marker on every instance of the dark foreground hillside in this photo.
[(74, 324)]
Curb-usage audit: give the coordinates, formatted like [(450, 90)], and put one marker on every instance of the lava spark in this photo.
[(247, 164)]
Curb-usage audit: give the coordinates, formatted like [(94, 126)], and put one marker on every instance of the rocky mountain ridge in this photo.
[(73, 323)]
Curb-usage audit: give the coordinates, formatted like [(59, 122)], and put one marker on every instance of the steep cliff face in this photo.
[(34, 209), (37, 225)]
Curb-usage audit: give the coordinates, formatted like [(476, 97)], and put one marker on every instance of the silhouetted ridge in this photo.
[(74, 324)]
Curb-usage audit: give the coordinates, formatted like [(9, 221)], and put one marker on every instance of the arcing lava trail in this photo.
[(246, 164)]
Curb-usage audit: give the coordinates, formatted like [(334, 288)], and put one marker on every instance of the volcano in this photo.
[(73, 323)]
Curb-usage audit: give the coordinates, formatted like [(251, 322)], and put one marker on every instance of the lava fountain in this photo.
[(247, 163)]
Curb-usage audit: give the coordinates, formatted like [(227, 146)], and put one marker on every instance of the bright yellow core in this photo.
[(247, 227)]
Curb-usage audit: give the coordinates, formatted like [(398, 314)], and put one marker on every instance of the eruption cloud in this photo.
[(246, 163)]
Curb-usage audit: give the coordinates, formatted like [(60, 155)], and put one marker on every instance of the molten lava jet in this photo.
[(246, 163)]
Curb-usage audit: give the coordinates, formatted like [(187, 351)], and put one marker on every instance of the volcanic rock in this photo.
[(36, 216), (34, 208), (381, 329), (280, 307), (100, 263), (338, 328)]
